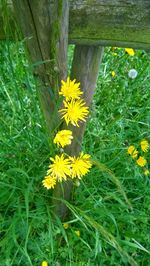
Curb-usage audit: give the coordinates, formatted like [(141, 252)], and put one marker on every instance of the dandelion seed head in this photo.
[(132, 73)]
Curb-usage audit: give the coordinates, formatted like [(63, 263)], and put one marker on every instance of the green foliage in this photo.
[(110, 208)]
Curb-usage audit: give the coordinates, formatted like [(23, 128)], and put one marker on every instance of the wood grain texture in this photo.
[(124, 23), (113, 23), (85, 69), (46, 37)]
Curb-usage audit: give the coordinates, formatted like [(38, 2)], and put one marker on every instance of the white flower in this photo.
[(132, 73)]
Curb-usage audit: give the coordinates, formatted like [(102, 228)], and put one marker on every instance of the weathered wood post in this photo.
[(45, 28), (44, 25), (85, 68), (106, 23)]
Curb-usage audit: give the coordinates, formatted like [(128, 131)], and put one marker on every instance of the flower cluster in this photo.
[(75, 109), (129, 51), (62, 166), (139, 156)]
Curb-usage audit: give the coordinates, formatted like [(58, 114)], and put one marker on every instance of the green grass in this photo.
[(111, 206)]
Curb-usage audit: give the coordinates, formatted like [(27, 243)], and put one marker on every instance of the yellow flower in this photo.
[(132, 151), (49, 182), (59, 168), (146, 172), (77, 233), (65, 225), (134, 154), (70, 90), (80, 166), (44, 263), (113, 73), (113, 48), (115, 54), (141, 161), (130, 51), (74, 112), (144, 145), (63, 138)]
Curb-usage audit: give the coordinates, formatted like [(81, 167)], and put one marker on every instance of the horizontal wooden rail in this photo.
[(124, 23)]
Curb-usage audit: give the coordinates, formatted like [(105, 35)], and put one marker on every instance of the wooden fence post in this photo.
[(44, 25), (85, 69)]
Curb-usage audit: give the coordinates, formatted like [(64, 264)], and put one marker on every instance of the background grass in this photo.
[(111, 206)]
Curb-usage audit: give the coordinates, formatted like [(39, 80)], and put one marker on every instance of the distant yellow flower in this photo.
[(130, 51), (134, 154), (63, 138), (74, 112), (77, 233), (146, 172), (44, 263), (141, 161), (115, 54), (113, 48), (113, 73), (65, 225), (70, 89), (144, 145), (49, 182), (132, 151), (59, 168), (80, 166)]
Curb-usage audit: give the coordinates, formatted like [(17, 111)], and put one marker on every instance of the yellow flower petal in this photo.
[(130, 51), (141, 161), (146, 172), (134, 154), (113, 48), (65, 225), (132, 151), (80, 165), (63, 138), (144, 145), (59, 168), (49, 182), (44, 263), (113, 73), (70, 89), (74, 112)]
